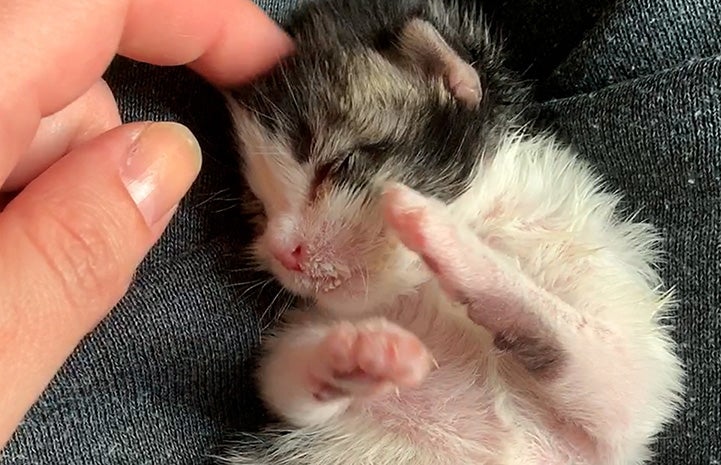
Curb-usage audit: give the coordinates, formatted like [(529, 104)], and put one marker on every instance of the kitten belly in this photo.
[(463, 413)]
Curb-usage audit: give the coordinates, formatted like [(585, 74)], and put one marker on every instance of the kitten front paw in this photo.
[(468, 270), (367, 359)]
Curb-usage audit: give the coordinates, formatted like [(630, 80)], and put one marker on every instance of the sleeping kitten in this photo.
[(474, 296)]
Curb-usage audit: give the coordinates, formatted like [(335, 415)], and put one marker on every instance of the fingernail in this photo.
[(160, 167)]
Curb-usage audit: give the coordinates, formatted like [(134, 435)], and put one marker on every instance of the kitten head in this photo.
[(376, 92)]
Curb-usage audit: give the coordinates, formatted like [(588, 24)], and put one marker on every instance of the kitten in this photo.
[(474, 296)]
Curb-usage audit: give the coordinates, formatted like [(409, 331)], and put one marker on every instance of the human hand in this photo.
[(94, 195)]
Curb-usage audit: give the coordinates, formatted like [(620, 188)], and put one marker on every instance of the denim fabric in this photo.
[(635, 84)]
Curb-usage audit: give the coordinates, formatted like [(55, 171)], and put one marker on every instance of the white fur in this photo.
[(340, 233), (544, 210)]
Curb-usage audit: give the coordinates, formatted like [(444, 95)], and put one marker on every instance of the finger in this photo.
[(87, 117), (53, 52), (5, 199), (71, 242), (228, 43)]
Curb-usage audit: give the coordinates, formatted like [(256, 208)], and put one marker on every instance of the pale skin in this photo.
[(78, 210)]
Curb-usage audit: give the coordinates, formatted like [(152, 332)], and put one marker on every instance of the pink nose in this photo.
[(290, 258)]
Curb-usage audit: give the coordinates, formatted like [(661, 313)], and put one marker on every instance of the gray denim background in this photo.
[(635, 84)]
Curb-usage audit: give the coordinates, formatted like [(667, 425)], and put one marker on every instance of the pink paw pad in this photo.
[(370, 358)]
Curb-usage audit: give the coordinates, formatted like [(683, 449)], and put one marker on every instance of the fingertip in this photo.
[(160, 168), (157, 229), (78, 232), (249, 44), (226, 41)]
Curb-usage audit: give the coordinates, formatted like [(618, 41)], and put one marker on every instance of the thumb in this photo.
[(70, 243)]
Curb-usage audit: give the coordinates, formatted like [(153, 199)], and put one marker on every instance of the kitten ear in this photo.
[(423, 45)]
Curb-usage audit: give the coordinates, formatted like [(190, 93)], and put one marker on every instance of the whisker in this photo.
[(260, 291), (211, 197), (225, 209), (365, 277), (271, 308), (290, 88), (244, 283)]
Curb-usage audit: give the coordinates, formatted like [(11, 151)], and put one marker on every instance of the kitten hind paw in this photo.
[(367, 359)]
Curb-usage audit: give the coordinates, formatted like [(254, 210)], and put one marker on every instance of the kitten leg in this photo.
[(585, 370), (314, 372)]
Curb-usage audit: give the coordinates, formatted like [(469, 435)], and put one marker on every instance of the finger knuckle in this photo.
[(78, 250)]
